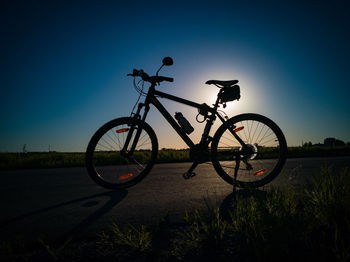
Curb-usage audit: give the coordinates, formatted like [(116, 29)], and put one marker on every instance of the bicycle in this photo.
[(247, 150)]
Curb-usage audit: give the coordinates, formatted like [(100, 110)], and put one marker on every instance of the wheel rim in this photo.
[(262, 158), (112, 164)]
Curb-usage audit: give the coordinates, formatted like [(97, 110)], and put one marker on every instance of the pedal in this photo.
[(188, 175)]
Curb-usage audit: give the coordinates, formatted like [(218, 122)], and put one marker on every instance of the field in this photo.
[(10, 161)]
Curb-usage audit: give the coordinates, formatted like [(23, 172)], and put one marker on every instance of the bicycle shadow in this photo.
[(229, 204), (115, 197)]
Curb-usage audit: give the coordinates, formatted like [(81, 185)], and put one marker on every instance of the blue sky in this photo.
[(64, 65)]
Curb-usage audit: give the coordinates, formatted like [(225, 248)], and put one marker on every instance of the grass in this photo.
[(318, 151), (281, 224), (57, 159), (40, 160)]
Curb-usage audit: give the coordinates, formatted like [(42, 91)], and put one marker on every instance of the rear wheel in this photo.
[(113, 165), (257, 164)]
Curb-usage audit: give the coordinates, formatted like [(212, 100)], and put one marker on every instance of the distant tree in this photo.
[(339, 142), (307, 144), (332, 142), (329, 141)]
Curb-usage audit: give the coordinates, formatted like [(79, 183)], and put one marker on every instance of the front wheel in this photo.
[(259, 161), (121, 153)]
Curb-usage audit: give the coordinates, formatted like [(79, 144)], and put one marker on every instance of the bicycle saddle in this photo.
[(222, 83)]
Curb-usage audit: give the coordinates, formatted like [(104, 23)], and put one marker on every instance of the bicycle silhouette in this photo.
[(247, 150)]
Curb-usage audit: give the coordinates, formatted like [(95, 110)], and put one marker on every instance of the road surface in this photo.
[(57, 203)]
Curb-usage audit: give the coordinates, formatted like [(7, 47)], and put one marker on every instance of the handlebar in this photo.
[(151, 79), (165, 78)]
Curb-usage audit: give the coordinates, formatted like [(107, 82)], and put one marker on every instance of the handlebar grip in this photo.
[(168, 79), (134, 73), (139, 73)]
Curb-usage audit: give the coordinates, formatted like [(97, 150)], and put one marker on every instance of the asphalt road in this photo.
[(56, 203)]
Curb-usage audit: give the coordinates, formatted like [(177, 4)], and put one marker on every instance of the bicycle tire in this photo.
[(105, 163), (260, 167)]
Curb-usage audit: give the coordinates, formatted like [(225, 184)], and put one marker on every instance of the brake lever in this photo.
[(135, 73)]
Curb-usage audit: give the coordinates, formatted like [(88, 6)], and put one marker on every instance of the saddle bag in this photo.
[(230, 93)]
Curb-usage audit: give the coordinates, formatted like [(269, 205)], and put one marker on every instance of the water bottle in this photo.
[(185, 125)]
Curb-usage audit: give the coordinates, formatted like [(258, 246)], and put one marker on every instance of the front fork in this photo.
[(128, 153)]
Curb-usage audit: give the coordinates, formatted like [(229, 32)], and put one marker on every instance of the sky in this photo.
[(63, 66)]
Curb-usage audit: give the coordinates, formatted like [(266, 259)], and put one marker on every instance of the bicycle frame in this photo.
[(151, 98)]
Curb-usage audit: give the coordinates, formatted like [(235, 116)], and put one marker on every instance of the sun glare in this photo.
[(248, 102)]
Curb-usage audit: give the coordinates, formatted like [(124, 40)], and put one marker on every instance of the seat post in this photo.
[(216, 105)]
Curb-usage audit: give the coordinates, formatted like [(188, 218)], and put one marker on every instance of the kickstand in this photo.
[(190, 173), (235, 182)]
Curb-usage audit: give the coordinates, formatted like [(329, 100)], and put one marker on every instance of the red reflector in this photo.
[(122, 130), (238, 129), (260, 172), (125, 176)]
